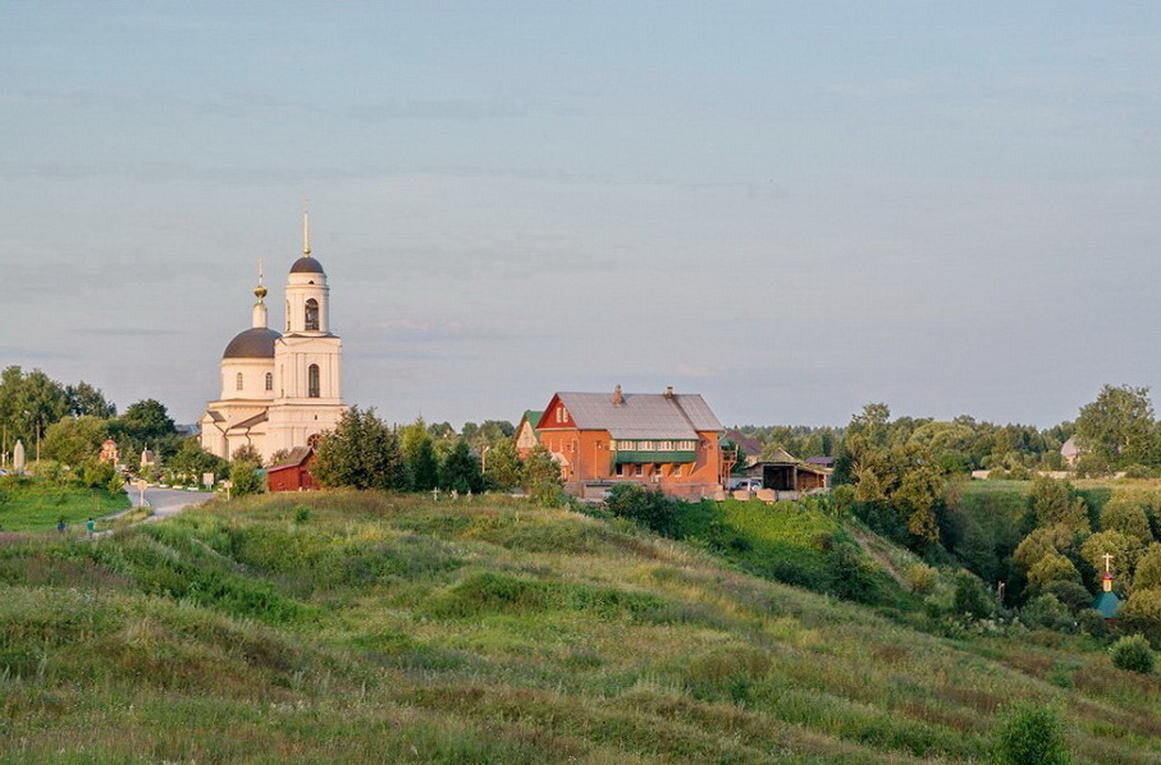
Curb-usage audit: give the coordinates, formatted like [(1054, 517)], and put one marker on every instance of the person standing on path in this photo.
[(91, 526), (60, 525)]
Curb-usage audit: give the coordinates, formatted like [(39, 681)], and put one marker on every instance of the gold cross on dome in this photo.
[(1107, 558)]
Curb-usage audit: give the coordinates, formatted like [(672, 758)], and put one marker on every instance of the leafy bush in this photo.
[(972, 596), (245, 479), (1071, 594), (1048, 612), (1093, 623), (651, 509), (1132, 653), (1031, 734), (921, 578), (1139, 471)]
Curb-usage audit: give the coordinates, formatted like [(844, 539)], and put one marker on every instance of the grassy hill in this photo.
[(29, 504), (345, 626)]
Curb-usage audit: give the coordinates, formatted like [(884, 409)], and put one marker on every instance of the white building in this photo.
[(280, 390)]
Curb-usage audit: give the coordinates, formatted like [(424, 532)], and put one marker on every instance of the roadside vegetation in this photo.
[(362, 625)]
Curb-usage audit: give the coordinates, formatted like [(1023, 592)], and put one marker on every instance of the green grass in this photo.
[(380, 628), (30, 504)]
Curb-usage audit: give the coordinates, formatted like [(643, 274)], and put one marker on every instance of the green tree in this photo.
[(461, 470), (85, 400), (419, 456), (1127, 516), (1118, 425), (244, 453), (503, 465), (29, 402), (542, 478), (1124, 549), (1148, 574), (191, 459), (361, 453), (146, 421), (73, 440), (1051, 568), (1055, 502)]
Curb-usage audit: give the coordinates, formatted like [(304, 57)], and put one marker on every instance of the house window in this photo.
[(675, 471), (312, 381), (625, 446), (312, 314), (238, 381), (665, 446), (639, 470), (645, 446), (620, 470), (561, 414), (658, 470), (269, 381)]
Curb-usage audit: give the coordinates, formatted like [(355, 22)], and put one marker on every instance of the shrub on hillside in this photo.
[(972, 596), (1047, 612), (651, 509), (1071, 594), (1132, 653), (1140, 471), (921, 578), (1093, 623), (1031, 734)]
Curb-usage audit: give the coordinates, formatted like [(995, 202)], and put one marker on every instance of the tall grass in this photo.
[(378, 627)]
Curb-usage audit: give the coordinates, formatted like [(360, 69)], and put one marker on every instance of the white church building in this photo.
[(280, 390)]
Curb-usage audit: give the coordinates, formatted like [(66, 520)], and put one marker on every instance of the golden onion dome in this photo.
[(260, 292)]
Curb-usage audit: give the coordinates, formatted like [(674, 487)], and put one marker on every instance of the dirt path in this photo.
[(864, 541)]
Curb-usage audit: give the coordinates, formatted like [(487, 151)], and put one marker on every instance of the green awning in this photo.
[(662, 457)]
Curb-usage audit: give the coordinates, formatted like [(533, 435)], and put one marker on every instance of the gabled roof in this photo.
[(533, 416), (751, 446), (641, 415), (297, 456), (780, 455)]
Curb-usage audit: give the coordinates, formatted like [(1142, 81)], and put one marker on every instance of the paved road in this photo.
[(166, 503)]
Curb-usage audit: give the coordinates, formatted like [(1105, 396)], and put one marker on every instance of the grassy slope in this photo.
[(31, 505), (395, 628)]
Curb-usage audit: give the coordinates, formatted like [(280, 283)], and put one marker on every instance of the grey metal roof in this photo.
[(307, 265), (254, 343), (296, 457), (642, 415), (250, 422)]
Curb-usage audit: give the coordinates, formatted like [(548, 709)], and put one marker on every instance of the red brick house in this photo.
[(665, 440), (294, 474)]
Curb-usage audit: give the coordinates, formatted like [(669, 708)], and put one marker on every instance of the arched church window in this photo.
[(313, 439), (269, 381), (238, 381), (312, 314), (287, 315), (312, 381)]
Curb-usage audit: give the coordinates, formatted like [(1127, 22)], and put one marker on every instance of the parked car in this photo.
[(751, 484)]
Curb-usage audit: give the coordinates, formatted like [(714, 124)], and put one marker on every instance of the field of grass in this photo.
[(28, 504), (351, 627)]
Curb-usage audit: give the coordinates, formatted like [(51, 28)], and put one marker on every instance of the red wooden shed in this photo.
[(294, 474)]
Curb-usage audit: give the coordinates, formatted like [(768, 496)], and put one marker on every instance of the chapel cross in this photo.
[(1107, 558)]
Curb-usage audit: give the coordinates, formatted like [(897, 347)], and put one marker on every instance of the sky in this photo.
[(791, 208)]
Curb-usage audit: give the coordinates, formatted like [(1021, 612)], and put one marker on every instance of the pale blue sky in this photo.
[(792, 208)]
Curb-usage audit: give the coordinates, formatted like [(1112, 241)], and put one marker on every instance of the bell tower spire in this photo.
[(306, 227), (258, 315)]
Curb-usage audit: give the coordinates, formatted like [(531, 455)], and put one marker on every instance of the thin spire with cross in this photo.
[(1107, 558)]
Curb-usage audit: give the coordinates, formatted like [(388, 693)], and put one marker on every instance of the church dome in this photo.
[(307, 265), (254, 343)]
